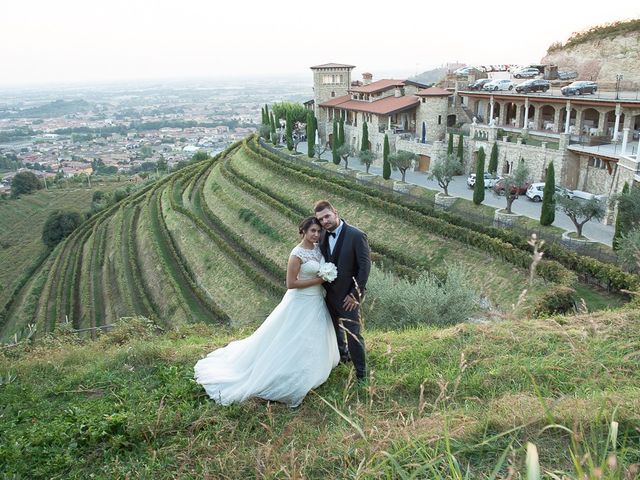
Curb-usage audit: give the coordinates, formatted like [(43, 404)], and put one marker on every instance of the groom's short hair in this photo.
[(321, 205)]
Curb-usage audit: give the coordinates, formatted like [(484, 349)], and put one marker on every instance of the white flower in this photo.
[(328, 272)]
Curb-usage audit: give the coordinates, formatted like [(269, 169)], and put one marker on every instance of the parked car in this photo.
[(581, 195), (499, 84), (536, 85), (520, 190), (526, 73), (478, 84), (489, 180), (567, 75), (535, 191), (580, 87), (466, 71)]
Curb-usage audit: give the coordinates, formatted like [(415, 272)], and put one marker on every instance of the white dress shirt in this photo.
[(334, 239)]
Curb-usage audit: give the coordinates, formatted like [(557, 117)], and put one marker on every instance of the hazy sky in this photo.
[(53, 41)]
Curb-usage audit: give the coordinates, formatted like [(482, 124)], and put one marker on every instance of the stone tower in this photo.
[(330, 80), (433, 112)]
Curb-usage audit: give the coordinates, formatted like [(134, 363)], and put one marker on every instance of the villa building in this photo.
[(592, 141)]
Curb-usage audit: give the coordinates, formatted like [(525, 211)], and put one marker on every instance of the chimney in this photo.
[(366, 78)]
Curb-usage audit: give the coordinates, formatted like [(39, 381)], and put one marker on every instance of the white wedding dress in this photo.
[(293, 351)]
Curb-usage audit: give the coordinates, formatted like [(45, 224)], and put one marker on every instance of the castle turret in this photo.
[(330, 80)]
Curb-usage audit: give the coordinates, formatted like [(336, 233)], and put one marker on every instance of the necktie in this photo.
[(332, 234)]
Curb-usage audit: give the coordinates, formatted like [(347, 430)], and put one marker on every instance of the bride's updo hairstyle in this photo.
[(306, 224)]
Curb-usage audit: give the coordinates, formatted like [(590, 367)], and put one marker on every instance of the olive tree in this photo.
[(581, 211), (366, 158), (628, 212), (344, 152), (402, 160), (443, 171), (511, 184), (629, 250)]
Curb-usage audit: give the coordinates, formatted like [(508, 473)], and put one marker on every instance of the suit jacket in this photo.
[(351, 257)]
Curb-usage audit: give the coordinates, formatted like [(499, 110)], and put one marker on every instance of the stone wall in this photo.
[(433, 111), (536, 158)]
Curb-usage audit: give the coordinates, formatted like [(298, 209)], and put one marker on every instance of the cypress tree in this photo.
[(365, 137), (460, 153), (341, 132), (386, 166), (262, 115), (493, 160), (548, 212), (335, 143), (288, 131), (274, 135), (450, 145), (311, 135), (620, 221), (267, 120), (478, 188)]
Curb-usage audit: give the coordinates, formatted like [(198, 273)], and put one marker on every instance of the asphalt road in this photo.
[(593, 230)]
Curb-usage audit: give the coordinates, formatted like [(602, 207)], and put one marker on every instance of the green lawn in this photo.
[(440, 402)]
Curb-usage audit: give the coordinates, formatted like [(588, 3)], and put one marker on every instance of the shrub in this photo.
[(24, 183), (394, 302), (559, 299), (58, 226)]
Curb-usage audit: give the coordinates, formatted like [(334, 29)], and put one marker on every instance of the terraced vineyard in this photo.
[(210, 243)]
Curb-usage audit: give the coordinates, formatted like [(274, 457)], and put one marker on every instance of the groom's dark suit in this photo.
[(351, 256)]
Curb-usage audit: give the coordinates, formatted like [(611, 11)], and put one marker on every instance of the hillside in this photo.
[(210, 243), (21, 222), (201, 254), (459, 402), (601, 53)]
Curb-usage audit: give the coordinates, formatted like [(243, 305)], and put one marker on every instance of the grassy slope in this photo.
[(500, 281), (21, 224), (126, 405)]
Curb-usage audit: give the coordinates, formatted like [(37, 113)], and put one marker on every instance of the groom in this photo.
[(347, 248)]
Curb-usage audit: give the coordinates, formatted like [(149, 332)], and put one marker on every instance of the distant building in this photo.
[(593, 142)]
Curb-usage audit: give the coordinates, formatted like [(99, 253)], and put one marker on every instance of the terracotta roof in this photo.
[(433, 92), (333, 65), (384, 106), (378, 86), (336, 101)]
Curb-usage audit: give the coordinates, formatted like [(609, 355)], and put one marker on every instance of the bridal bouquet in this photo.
[(328, 272)]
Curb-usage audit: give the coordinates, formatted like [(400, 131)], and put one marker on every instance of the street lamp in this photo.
[(618, 78)]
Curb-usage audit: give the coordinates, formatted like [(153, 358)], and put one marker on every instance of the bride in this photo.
[(295, 348)]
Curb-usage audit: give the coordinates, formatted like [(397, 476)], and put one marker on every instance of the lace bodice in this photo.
[(311, 261)]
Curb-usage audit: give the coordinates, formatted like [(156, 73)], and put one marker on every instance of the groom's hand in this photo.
[(350, 303)]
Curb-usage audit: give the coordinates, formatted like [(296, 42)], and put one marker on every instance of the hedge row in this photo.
[(232, 253), (242, 250), (213, 221), (76, 296), (612, 276), (185, 270), (252, 218), (548, 269), (163, 252), (141, 290), (389, 259), (266, 263), (95, 294), (24, 279), (121, 262)]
